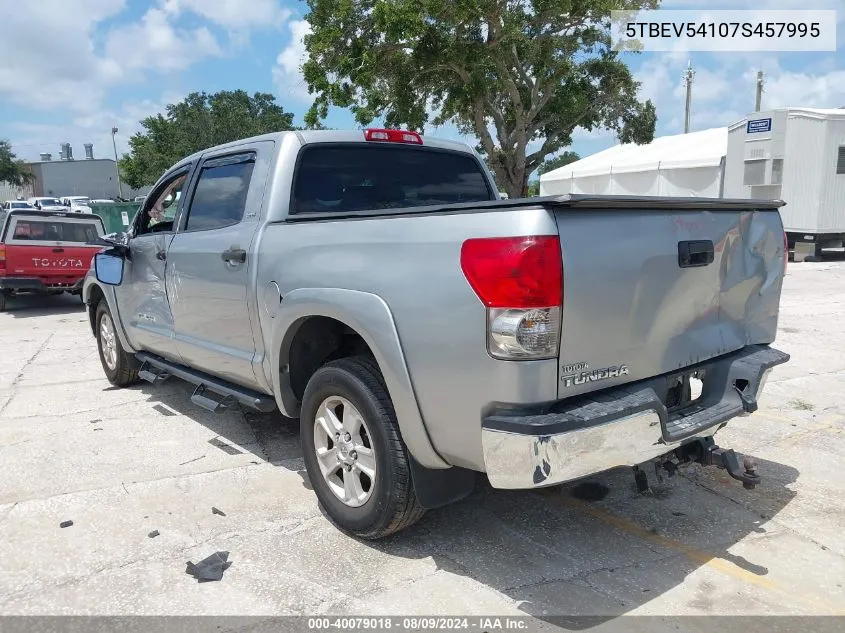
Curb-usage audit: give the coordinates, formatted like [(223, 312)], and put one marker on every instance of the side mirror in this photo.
[(117, 242), (108, 268)]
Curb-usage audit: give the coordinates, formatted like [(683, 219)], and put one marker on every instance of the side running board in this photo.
[(211, 393)]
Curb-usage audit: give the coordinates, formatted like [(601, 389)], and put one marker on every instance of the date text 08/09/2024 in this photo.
[(416, 623)]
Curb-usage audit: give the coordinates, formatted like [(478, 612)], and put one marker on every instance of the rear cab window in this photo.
[(51, 230), (359, 177)]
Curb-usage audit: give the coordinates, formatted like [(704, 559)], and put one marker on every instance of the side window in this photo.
[(220, 196), (159, 211)]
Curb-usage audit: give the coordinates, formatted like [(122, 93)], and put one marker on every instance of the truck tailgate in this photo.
[(46, 245), (58, 260), (650, 291)]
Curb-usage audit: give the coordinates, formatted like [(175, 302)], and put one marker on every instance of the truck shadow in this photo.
[(28, 306), (571, 556)]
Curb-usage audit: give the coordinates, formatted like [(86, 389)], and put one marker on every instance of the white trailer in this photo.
[(796, 155)]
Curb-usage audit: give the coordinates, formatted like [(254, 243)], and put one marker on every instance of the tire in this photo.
[(391, 504), (2, 301), (120, 367)]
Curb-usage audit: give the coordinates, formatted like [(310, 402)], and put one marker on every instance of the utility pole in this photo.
[(688, 75), (116, 165), (759, 91)]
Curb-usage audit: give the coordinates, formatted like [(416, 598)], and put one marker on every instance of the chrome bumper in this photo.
[(630, 425)]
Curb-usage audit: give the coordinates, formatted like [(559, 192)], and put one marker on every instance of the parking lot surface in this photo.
[(125, 463)]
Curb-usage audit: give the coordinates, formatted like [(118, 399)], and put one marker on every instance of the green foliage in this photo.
[(507, 71), (548, 165), (12, 170), (197, 123), (558, 161)]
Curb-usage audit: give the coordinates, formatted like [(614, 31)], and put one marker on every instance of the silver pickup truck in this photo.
[(373, 284)]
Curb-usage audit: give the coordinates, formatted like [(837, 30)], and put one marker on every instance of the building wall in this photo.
[(93, 178)]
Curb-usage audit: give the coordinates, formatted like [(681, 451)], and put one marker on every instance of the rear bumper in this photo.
[(624, 426), (35, 284)]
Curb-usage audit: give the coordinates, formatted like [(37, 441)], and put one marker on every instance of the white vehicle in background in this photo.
[(47, 203), (102, 201), (77, 204), (16, 204)]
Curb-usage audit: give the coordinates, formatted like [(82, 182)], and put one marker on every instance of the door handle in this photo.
[(694, 253), (161, 255), (234, 256)]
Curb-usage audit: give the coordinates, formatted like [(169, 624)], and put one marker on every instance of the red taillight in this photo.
[(392, 136), (2, 257), (515, 272)]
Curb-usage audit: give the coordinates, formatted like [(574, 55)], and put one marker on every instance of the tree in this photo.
[(507, 71), (548, 165), (13, 171), (198, 122)]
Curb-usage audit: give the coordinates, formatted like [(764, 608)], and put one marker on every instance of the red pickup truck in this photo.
[(45, 252)]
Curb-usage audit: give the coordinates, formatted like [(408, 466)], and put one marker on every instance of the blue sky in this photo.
[(73, 69)]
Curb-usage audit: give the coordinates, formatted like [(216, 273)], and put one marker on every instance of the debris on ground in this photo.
[(153, 534), (210, 568), (65, 524), (216, 511)]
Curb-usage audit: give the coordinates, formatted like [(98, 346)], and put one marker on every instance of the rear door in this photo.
[(209, 264), (53, 247), (652, 291)]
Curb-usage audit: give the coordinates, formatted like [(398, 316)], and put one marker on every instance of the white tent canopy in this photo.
[(679, 165)]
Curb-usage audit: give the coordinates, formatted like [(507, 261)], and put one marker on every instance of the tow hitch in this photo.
[(705, 452)]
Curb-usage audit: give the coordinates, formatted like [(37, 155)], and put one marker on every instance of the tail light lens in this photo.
[(2, 257), (520, 281)]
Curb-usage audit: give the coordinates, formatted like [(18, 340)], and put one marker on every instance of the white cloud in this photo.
[(724, 87), (287, 73), (29, 139), (49, 58), (154, 43), (233, 14), (804, 89)]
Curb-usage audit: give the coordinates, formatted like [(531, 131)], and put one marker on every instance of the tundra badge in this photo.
[(594, 375)]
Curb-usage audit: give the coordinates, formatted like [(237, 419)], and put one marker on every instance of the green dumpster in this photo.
[(116, 216)]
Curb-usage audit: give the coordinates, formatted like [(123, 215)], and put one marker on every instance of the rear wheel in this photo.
[(120, 367), (3, 298), (355, 457)]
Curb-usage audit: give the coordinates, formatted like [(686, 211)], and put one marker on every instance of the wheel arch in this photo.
[(333, 317), (93, 293)]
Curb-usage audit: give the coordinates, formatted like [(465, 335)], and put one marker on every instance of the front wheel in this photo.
[(120, 367), (353, 452)]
